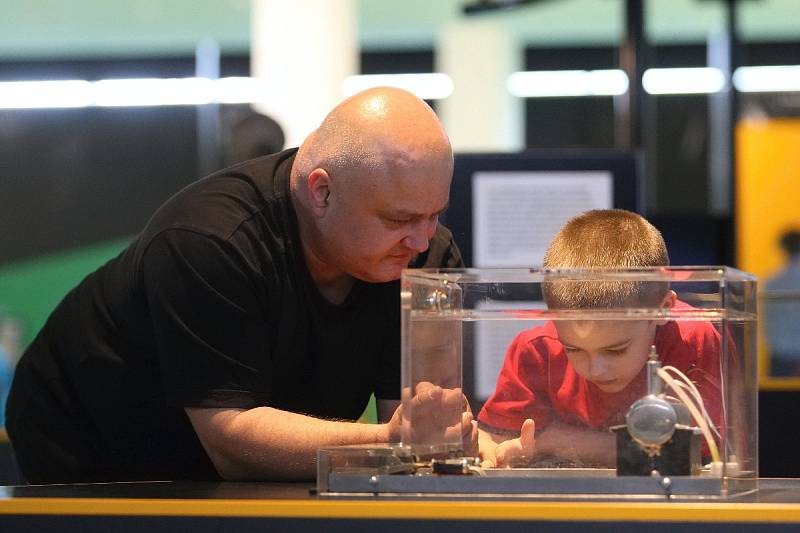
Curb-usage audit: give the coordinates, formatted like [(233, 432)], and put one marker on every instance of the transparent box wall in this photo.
[(570, 349)]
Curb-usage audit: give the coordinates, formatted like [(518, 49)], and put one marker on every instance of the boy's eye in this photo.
[(617, 351)]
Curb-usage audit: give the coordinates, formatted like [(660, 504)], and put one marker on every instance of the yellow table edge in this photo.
[(779, 384), (436, 510)]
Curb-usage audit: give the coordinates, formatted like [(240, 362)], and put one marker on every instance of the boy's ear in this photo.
[(667, 302), (669, 299)]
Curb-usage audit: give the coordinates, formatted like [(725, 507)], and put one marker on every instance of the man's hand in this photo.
[(498, 453), (433, 415)]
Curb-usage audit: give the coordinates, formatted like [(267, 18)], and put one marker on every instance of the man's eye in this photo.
[(397, 221), (616, 351)]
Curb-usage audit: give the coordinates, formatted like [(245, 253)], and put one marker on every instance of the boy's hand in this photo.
[(469, 431), (514, 452)]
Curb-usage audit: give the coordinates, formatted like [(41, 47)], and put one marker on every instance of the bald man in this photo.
[(253, 316)]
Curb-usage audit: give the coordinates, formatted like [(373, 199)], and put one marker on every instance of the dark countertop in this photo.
[(163, 490)]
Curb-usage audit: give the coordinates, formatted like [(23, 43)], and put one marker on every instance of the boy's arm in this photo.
[(487, 443), (579, 445), (498, 450)]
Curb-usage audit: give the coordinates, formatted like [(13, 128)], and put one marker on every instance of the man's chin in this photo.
[(388, 270), (381, 276)]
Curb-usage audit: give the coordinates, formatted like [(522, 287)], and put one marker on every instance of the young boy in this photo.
[(565, 383)]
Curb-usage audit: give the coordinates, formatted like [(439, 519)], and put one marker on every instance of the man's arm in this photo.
[(270, 444)]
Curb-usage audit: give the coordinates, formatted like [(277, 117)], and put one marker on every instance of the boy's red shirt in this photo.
[(537, 381)]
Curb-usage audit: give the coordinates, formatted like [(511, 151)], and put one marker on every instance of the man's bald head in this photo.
[(376, 133), (368, 187)]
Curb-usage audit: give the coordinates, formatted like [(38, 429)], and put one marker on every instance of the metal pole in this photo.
[(629, 105), (207, 59), (723, 54), (722, 109), (631, 109)]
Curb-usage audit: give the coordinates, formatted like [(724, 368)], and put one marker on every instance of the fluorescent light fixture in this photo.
[(153, 91), (45, 94), (785, 78), (553, 83), (433, 86), (701, 80), (239, 90)]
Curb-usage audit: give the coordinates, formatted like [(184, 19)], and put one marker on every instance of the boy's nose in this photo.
[(598, 368)]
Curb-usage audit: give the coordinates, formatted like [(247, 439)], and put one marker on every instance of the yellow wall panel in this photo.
[(767, 191), (767, 204)]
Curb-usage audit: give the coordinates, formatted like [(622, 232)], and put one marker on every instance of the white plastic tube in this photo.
[(699, 418)]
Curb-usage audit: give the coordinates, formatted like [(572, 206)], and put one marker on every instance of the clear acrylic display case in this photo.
[(575, 351)]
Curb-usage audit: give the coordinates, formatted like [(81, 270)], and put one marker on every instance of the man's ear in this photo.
[(319, 190), (667, 302)]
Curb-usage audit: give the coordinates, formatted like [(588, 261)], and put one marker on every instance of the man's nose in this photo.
[(416, 242), (420, 236)]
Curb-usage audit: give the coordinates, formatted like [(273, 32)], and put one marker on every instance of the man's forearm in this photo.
[(270, 444)]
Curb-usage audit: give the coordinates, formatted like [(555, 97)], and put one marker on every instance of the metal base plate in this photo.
[(538, 483)]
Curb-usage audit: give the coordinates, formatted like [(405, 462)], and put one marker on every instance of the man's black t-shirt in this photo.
[(211, 306)]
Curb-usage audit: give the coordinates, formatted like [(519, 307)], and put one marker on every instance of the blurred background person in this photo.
[(782, 310), (252, 135)]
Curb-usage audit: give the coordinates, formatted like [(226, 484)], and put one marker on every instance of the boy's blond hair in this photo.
[(609, 238)]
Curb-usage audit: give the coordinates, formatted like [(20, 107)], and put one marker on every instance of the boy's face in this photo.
[(607, 353)]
